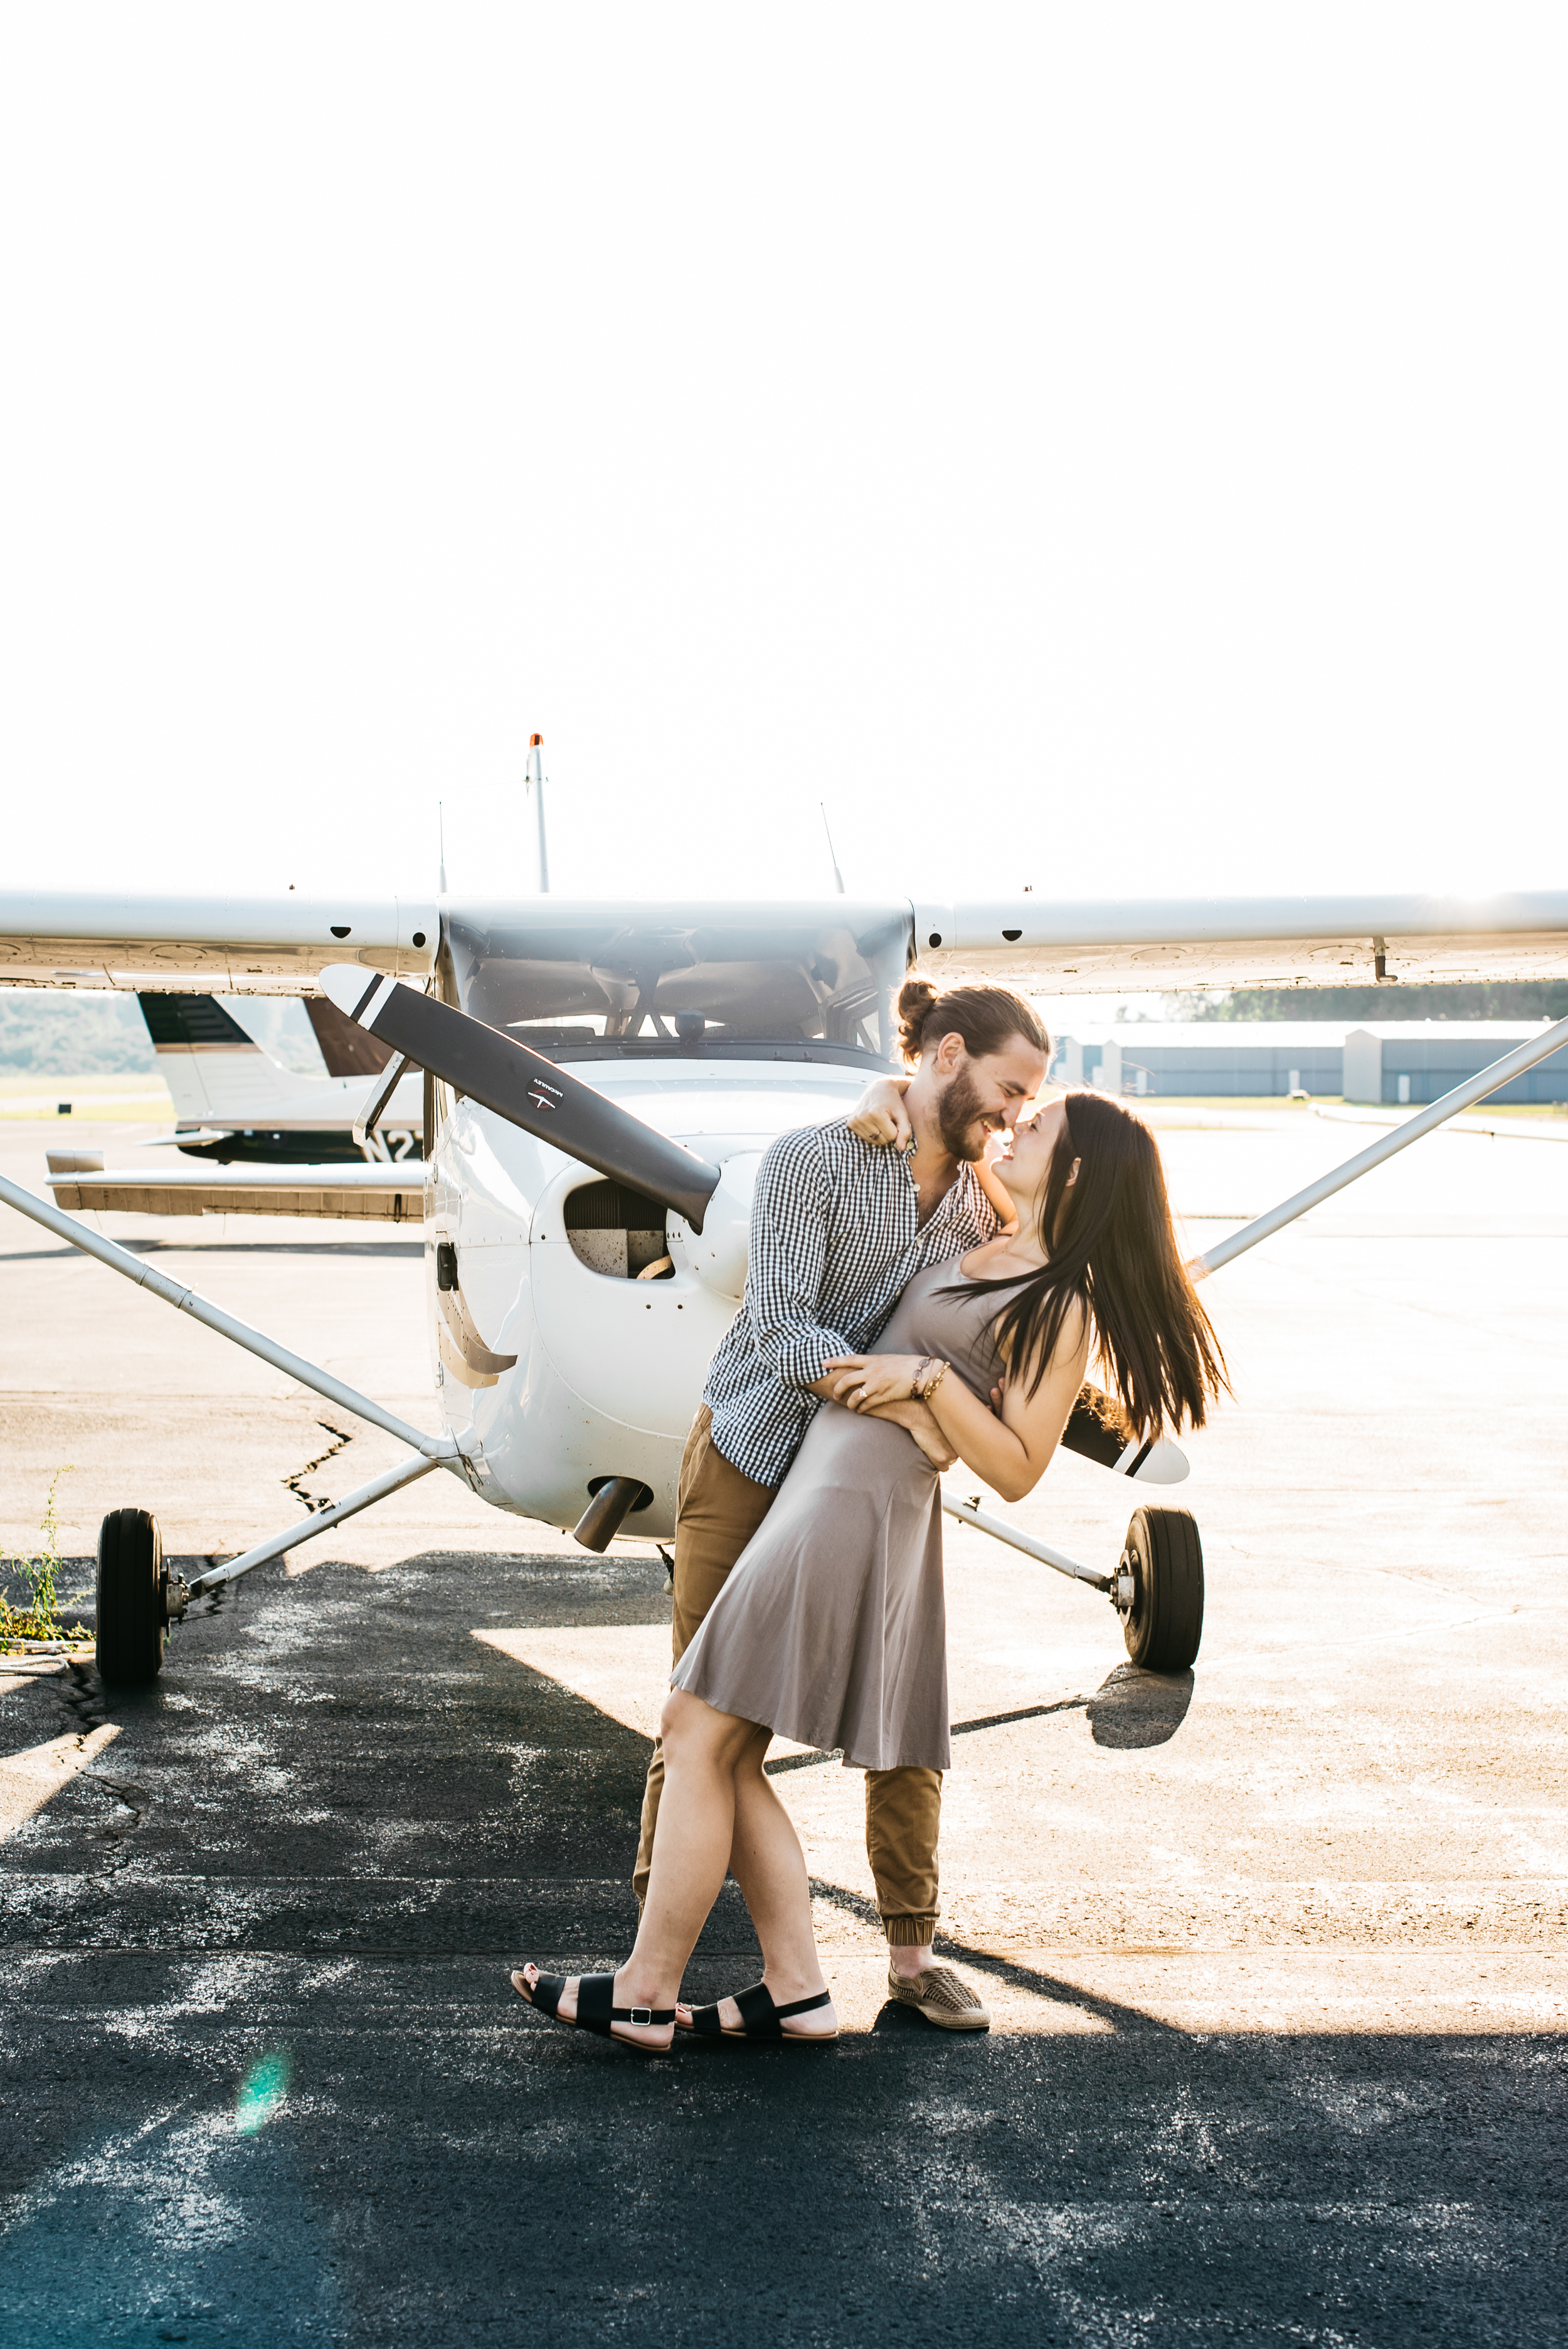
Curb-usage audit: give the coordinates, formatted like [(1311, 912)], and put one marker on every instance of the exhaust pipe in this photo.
[(615, 1497)]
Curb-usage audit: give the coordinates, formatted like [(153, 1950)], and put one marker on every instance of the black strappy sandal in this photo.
[(596, 2009), (760, 2019)]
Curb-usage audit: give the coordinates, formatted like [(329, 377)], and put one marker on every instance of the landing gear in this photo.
[(1158, 1589), (132, 1598)]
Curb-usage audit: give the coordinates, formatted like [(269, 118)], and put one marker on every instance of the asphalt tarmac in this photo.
[(1275, 1950)]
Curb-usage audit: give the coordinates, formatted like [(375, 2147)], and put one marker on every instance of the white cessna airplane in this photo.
[(234, 1102), (599, 1080)]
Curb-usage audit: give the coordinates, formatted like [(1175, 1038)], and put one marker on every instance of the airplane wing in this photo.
[(1052, 945), (221, 946), (361, 1192)]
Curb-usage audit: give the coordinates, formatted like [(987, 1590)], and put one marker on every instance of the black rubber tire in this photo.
[(132, 1598), (1165, 1624)]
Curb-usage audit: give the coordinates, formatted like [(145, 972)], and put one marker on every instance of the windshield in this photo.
[(579, 980)]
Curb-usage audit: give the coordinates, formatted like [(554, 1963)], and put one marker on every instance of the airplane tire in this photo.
[(132, 1598), (1164, 1623)]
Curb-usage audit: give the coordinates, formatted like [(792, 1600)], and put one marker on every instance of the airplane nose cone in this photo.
[(718, 1254)]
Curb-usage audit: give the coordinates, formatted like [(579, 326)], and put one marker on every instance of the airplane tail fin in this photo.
[(349, 1051), (214, 1071)]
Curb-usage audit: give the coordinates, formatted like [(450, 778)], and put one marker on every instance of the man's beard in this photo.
[(958, 1113)]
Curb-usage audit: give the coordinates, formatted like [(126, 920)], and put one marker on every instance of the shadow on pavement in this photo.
[(1134, 1708), (788, 1762), (266, 2083), (988, 1961), (277, 2156)]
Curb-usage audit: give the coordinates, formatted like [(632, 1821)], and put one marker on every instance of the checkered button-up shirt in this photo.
[(835, 1239)]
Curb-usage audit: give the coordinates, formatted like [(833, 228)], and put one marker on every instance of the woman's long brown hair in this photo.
[(1113, 1251)]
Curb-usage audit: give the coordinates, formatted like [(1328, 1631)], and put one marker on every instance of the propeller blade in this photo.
[(525, 1089), (1100, 1430)]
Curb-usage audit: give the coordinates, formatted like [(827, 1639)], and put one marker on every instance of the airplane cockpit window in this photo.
[(591, 981)]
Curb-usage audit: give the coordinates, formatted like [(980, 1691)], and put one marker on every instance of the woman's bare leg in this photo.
[(769, 1867), (690, 1859)]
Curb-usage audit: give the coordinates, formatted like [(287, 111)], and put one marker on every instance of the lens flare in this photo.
[(263, 2092)]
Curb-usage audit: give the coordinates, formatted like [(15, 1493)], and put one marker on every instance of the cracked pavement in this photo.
[(1275, 1949)]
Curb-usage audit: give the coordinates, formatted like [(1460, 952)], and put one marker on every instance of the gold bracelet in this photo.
[(931, 1385)]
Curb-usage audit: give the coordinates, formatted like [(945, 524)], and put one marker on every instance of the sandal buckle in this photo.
[(640, 2014)]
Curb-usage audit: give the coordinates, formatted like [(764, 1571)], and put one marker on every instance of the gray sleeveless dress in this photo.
[(831, 1627)]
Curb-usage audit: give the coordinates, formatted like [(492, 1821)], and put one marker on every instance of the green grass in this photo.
[(145, 1100), (40, 1618)]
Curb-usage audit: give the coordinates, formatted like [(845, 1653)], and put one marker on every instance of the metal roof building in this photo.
[(1398, 1060)]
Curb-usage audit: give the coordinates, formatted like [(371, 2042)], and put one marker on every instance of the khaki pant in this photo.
[(717, 1512)]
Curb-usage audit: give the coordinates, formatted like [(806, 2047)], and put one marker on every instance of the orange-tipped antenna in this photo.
[(534, 785)]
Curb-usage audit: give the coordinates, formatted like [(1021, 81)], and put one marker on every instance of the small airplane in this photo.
[(267, 1140), (235, 1103), (599, 1082)]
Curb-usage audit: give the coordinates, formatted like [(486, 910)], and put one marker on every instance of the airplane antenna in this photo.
[(536, 786), (837, 877), (441, 837)]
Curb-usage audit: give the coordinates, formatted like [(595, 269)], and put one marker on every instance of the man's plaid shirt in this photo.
[(835, 1239)]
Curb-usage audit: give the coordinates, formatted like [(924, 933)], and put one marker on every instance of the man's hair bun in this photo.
[(987, 1018), (916, 1001)]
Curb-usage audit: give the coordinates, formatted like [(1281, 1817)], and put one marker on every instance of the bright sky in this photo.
[(1115, 447)]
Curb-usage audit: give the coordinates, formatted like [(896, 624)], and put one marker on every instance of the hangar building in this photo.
[(1398, 1060)]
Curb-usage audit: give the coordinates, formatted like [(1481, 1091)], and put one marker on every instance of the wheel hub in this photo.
[(1124, 1583)]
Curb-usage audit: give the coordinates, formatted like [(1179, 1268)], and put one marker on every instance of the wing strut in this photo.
[(1501, 1072), (968, 1515), (441, 1451), (392, 1480)]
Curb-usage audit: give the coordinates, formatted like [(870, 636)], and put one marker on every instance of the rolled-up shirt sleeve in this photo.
[(790, 1211)]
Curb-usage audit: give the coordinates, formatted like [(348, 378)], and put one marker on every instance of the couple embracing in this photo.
[(808, 1555)]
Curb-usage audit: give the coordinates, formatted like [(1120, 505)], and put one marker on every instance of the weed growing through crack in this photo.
[(40, 1619)]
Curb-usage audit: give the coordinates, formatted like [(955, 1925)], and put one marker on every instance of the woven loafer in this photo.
[(942, 1997)]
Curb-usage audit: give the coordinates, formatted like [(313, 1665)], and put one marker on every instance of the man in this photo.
[(839, 1227)]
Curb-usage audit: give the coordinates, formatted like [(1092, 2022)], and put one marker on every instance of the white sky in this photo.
[(1115, 447)]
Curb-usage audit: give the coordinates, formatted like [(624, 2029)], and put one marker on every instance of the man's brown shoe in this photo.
[(942, 1997)]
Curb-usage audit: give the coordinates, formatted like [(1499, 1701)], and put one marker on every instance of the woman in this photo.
[(830, 1630)]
